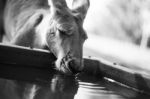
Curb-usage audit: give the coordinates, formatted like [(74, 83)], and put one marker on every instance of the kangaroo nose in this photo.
[(74, 66)]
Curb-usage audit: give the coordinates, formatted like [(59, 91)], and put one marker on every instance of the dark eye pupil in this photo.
[(62, 31)]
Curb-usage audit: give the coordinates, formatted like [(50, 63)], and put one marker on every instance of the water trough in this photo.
[(35, 58)]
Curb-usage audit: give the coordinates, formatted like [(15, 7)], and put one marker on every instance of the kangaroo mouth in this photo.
[(64, 65)]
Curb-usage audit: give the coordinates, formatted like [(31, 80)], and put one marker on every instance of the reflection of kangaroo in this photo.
[(48, 23), (60, 87)]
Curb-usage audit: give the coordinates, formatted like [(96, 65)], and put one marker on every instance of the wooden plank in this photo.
[(126, 76), (25, 56)]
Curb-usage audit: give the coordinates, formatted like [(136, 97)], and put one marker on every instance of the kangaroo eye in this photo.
[(62, 31), (65, 32), (65, 29)]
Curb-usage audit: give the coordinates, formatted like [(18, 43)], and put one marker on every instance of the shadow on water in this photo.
[(30, 83)]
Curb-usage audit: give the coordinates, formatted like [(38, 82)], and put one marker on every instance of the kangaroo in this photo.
[(48, 24)]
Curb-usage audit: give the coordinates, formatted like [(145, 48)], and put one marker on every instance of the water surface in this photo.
[(31, 83)]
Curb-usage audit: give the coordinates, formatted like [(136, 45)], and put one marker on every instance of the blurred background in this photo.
[(119, 31)]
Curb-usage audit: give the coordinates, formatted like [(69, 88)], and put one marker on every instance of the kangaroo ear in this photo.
[(80, 7)]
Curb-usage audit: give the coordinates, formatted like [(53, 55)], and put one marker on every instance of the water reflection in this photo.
[(60, 87), (43, 84), (94, 89)]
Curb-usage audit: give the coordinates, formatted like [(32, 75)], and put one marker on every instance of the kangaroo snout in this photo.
[(70, 64), (75, 65)]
